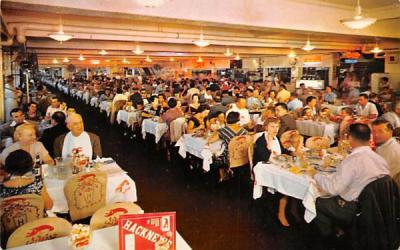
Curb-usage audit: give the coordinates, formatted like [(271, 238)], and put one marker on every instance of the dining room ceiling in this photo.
[(366, 4), (162, 34)]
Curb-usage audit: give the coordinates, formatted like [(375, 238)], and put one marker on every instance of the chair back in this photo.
[(108, 216), (238, 150), (117, 105), (20, 209), (39, 230), (377, 221), (317, 143), (85, 193), (177, 128)]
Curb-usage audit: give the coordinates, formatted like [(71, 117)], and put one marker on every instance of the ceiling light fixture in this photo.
[(103, 52), (308, 46), (95, 61), (292, 54), (81, 58), (237, 57), (138, 51), (108, 60), (228, 52), (376, 48), (151, 3), (201, 42), (125, 61), (171, 59), (200, 59), (358, 21), (60, 36), (148, 59), (55, 61), (66, 60)]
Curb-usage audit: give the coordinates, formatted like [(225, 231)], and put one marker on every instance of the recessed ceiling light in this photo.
[(138, 51), (103, 52), (228, 52), (292, 54), (358, 21), (308, 46), (201, 42)]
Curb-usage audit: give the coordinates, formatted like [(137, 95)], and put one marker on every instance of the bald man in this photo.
[(77, 138)]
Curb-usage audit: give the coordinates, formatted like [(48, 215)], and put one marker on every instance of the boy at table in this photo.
[(357, 170)]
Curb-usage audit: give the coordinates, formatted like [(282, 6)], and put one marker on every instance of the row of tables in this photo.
[(275, 178)]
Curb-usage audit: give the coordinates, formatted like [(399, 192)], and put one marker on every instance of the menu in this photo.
[(151, 231)]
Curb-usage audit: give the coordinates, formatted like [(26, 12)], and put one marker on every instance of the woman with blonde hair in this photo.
[(25, 139)]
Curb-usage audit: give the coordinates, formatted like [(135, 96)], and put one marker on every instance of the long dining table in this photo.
[(314, 128), (102, 239), (130, 118), (151, 126), (116, 177), (277, 178), (198, 147)]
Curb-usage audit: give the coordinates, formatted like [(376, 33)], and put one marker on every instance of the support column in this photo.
[(2, 117)]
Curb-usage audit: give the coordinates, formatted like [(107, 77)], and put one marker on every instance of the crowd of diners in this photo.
[(224, 108)]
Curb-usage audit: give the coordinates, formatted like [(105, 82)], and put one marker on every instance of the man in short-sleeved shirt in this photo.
[(366, 108)]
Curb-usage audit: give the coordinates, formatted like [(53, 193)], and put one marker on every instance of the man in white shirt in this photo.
[(77, 138), (365, 108), (240, 107), (54, 107), (358, 169), (393, 117), (387, 147)]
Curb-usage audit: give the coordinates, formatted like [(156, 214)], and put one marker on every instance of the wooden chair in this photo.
[(317, 143), (108, 216), (85, 193), (238, 149), (39, 230), (20, 209), (117, 106), (177, 129)]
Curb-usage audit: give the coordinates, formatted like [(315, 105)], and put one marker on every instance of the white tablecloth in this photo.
[(197, 147), (155, 128), (105, 106), (129, 118), (299, 186), (336, 109), (86, 97), (94, 101), (79, 94), (102, 239), (115, 176), (65, 89), (313, 128)]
